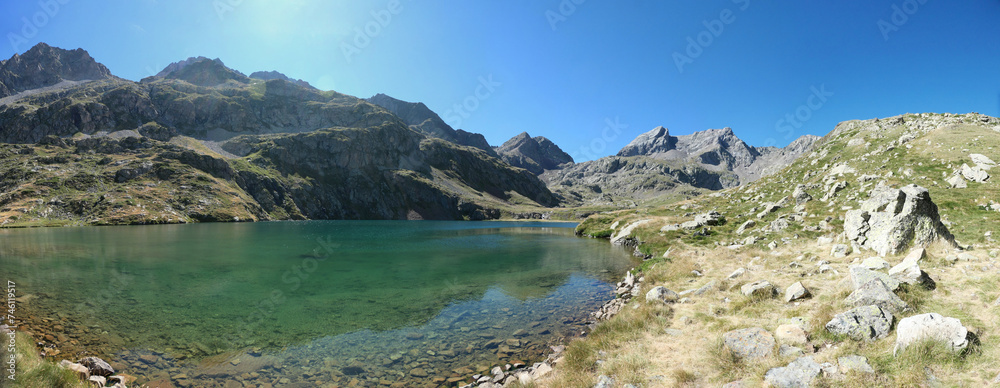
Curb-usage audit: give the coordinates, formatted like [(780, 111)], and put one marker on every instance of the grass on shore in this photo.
[(33, 371)]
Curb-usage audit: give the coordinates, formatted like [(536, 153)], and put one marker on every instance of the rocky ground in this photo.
[(869, 261)]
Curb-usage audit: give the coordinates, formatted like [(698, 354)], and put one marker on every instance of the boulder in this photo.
[(97, 366), (909, 272), (749, 344), (974, 174), (778, 225), (840, 250), (661, 294), (892, 220), (854, 363), (876, 293), (746, 225), (79, 370), (824, 241), (800, 195), (795, 292), (759, 289), (711, 218), (875, 263), (934, 327), (861, 276), (833, 190), (737, 273), (862, 323), (798, 374), (957, 182), (622, 237), (98, 381), (791, 334), (982, 161)]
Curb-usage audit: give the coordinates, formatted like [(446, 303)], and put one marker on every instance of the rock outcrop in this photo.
[(892, 220)]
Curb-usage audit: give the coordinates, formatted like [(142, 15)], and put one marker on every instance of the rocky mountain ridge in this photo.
[(421, 119), (113, 151)]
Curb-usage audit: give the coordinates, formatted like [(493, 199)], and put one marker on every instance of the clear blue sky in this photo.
[(565, 74)]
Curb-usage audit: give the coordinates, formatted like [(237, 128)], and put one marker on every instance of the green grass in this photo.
[(33, 371)]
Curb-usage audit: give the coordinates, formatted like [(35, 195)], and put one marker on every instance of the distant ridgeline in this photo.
[(202, 142)]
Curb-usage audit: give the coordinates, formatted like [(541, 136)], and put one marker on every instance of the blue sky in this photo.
[(588, 74)]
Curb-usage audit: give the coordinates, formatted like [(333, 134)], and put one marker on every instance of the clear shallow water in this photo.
[(310, 303)]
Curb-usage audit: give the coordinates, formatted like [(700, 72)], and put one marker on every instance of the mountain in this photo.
[(206, 72), (421, 119), (535, 154), (204, 142), (655, 164), (270, 75), (43, 66), (718, 149)]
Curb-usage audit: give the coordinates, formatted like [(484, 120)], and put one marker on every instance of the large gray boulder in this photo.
[(934, 327), (865, 323), (661, 294), (97, 366), (760, 289), (749, 344), (876, 293), (861, 276), (625, 235), (892, 220), (798, 374), (800, 195)]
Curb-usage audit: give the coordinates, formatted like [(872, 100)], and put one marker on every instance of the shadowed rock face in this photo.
[(892, 220), (535, 154), (421, 119), (44, 65)]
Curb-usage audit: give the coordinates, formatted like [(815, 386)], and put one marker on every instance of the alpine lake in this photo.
[(310, 303)]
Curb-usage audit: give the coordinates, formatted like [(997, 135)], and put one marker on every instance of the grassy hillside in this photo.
[(651, 344)]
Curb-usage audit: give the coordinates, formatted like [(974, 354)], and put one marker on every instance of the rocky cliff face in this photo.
[(535, 154), (421, 119), (270, 75), (287, 152), (44, 65)]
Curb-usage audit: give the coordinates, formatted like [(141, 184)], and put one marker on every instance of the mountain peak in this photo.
[(658, 140), (44, 65), (535, 154), (272, 75), (202, 71)]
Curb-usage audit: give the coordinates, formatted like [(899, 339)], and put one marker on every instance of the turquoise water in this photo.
[(308, 303)]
